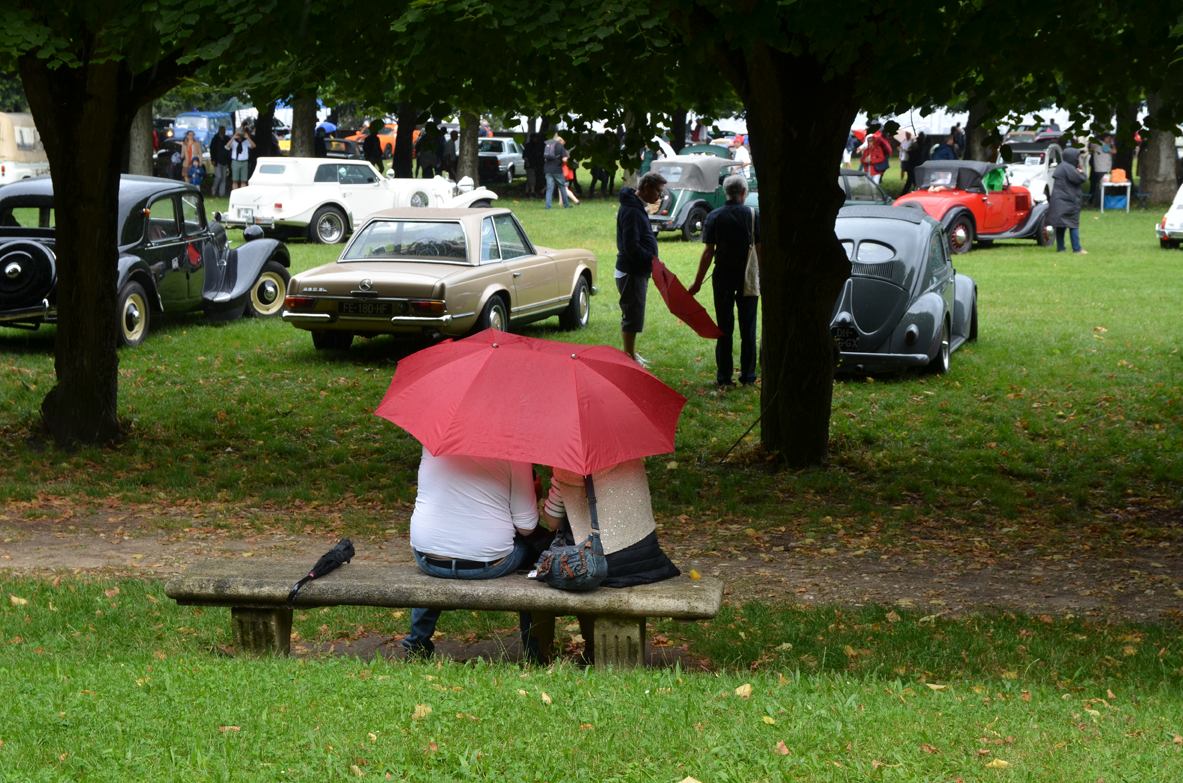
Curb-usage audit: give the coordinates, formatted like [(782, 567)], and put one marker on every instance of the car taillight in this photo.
[(279, 206), (299, 302), (1163, 224), (429, 306)]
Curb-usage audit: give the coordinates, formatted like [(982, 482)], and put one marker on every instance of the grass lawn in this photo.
[(104, 680), (1066, 411)]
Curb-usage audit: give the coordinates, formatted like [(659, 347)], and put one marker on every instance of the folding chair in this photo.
[(1143, 198)]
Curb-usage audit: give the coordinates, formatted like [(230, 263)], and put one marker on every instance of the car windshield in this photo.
[(409, 240), (490, 145), (196, 123)]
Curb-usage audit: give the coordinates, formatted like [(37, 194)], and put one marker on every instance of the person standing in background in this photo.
[(906, 147), (636, 247), (1102, 164), (371, 146), (1063, 212), (240, 157), (555, 156), (220, 157)]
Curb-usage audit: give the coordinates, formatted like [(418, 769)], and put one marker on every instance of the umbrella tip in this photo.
[(573, 356), (494, 345)]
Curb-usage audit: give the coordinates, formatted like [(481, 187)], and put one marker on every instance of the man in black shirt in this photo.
[(554, 156), (371, 146), (727, 235), (220, 157)]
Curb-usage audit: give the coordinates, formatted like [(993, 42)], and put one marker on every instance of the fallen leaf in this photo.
[(114, 591), (252, 554), (1100, 329), (785, 646), (1094, 713), (421, 712), (1110, 694), (671, 466), (769, 720), (355, 769), (1129, 650), (373, 737), (17, 601), (998, 764), (688, 779), (892, 617), (850, 653), (781, 748), (936, 687), (57, 580), (979, 689), (929, 748), (744, 691), (521, 692), (1178, 740), (229, 728), (1010, 675), (545, 698), (431, 748), (586, 726)]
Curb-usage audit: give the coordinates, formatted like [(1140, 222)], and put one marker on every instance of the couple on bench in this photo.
[(478, 518)]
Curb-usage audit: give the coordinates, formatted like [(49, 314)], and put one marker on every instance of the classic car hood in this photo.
[(386, 279)]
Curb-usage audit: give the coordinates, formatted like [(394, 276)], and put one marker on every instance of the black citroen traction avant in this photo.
[(171, 258)]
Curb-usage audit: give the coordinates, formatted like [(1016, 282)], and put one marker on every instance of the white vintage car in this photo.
[(324, 199), (21, 153), (1032, 166), (1170, 228)]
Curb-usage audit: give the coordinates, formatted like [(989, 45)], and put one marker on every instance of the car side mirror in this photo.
[(218, 217)]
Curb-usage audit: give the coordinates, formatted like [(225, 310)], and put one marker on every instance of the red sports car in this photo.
[(974, 202)]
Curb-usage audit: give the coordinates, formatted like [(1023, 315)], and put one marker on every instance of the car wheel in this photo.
[(578, 312), (1045, 236), (133, 314), (972, 335), (328, 226), (961, 236), (940, 363), (388, 151), (331, 340), (692, 228), (28, 271), (481, 204), (494, 316), (268, 291), (509, 176)]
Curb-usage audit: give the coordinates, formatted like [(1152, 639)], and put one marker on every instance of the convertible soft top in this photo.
[(694, 173), (959, 174), (890, 213)]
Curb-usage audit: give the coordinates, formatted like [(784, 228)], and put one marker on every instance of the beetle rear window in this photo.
[(272, 168), (409, 240), (874, 252)]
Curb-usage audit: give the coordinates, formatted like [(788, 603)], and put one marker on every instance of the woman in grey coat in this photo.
[(1064, 206)]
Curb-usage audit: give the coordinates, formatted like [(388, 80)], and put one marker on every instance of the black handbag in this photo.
[(576, 568)]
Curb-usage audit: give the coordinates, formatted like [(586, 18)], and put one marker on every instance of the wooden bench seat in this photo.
[(261, 619)]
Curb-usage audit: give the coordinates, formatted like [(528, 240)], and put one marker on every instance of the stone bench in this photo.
[(261, 619)]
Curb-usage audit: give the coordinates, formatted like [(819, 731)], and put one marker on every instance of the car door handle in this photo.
[(517, 274)]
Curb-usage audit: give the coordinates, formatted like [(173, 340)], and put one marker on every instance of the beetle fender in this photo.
[(928, 314), (964, 292)]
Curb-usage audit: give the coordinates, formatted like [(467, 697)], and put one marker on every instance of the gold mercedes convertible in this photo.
[(439, 272)]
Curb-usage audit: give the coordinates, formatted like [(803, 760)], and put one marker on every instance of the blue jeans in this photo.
[(1073, 232), (727, 302), (423, 620), (556, 181)]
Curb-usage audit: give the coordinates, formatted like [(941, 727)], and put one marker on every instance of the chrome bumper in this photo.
[(883, 359), (398, 320), (265, 222), (43, 311), (1168, 233)]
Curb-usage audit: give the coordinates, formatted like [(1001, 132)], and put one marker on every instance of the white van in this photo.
[(21, 153)]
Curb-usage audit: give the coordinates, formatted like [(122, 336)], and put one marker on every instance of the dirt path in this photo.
[(1139, 584)]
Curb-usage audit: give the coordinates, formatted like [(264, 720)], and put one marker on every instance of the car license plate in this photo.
[(846, 337), (366, 308), (247, 214)]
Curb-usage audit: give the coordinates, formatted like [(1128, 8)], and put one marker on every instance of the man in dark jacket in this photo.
[(946, 151), (636, 247), (220, 157), (371, 146), (1064, 206), (554, 156)]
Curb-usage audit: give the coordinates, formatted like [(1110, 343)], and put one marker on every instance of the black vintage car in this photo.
[(171, 259), (904, 304)]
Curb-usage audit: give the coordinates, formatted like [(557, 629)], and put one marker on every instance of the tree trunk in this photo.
[(790, 102), (1158, 178), (140, 142), (84, 116), (975, 133), (303, 125), (678, 133), (467, 165), (1127, 122), (404, 143)]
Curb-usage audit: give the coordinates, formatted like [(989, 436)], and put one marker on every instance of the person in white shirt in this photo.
[(240, 155), (740, 153), (467, 511), (905, 150)]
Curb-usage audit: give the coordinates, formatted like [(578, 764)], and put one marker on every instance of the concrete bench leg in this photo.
[(542, 628), (620, 642), (261, 632)]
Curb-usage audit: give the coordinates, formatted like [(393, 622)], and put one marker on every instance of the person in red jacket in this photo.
[(876, 156)]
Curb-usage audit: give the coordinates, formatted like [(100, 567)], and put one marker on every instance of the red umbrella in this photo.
[(576, 407), (682, 304)]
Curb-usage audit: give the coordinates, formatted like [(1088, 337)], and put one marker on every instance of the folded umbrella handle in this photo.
[(296, 588)]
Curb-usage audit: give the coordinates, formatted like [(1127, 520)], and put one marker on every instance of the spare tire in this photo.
[(28, 271)]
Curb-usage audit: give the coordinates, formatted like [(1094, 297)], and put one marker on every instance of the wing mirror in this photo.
[(465, 184), (218, 217)]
